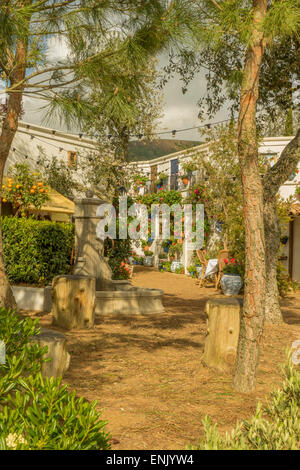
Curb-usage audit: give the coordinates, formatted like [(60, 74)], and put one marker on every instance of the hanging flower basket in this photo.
[(185, 180)]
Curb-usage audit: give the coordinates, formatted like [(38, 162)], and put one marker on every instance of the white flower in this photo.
[(13, 440)]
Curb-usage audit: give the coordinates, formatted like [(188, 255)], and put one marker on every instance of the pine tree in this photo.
[(95, 32)]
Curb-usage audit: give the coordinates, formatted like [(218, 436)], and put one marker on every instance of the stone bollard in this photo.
[(223, 325)]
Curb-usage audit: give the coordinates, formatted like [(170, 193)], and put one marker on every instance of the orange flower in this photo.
[(41, 190), (34, 187), (40, 184), (4, 200), (18, 186), (32, 191)]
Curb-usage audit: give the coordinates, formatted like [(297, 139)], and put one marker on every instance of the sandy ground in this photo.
[(146, 372)]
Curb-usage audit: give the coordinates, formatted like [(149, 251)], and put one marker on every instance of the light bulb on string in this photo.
[(173, 133)]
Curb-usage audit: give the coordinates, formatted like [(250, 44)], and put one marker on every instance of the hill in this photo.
[(145, 150)]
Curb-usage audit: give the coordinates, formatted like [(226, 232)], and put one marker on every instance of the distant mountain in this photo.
[(145, 150)]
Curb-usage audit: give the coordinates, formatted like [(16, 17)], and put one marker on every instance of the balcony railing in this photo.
[(173, 182)]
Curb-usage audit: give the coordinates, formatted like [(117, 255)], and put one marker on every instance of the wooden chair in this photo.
[(223, 254), (203, 261)]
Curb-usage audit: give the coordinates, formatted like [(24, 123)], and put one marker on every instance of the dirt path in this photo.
[(146, 373)]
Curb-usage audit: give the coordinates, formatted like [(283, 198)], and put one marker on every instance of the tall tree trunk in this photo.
[(252, 317), (273, 179), (9, 128)]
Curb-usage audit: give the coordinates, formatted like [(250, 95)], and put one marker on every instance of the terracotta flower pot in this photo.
[(185, 181)]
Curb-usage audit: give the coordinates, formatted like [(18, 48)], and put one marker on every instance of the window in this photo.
[(72, 160)]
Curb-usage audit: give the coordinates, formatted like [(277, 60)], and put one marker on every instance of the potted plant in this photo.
[(179, 270), (187, 168), (231, 281), (192, 270), (139, 181), (166, 266), (149, 259), (161, 177)]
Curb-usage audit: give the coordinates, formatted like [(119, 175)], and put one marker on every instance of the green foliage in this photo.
[(192, 270), (232, 267), (24, 189), (58, 175), (118, 253), (275, 426), (167, 266), (163, 197), (36, 251), (288, 130), (188, 167), (175, 249), (148, 253), (38, 413), (179, 271)]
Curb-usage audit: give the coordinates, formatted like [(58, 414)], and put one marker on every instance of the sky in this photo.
[(179, 111)]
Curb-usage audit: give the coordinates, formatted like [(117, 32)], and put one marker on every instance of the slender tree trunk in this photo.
[(273, 179), (252, 317), (272, 239), (9, 128)]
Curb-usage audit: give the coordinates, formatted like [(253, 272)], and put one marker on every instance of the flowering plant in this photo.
[(24, 189), (231, 266), (188, 167)]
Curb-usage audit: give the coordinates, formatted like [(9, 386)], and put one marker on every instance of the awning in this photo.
[(295, 209)]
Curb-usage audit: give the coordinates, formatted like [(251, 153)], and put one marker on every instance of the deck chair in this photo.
[(203, 261), (223, 254)]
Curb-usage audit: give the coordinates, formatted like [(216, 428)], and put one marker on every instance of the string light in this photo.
[(173, 132)]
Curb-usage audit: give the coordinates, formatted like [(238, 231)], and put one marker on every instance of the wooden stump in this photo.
[(57, 352), (223, 325), (73, 301)]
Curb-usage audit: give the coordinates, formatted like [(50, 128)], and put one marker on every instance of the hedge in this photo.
[(36, 251)]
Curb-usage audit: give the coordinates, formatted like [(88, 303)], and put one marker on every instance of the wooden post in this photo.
[(223, 326), (73, 300), (57, 352)]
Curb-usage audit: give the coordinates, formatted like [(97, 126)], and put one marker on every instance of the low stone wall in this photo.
[(134, 301), (33, 298)]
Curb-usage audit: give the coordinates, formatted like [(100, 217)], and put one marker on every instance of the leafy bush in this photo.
[(118, 253), (37, 413), (24, 189), (36, 251), (275, 426)]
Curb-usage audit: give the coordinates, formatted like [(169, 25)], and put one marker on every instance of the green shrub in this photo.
[(36, 251), (118, 253), (37, 413), (275, 426)]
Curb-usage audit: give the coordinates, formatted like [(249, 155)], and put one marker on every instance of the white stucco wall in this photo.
[(30, 138)]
